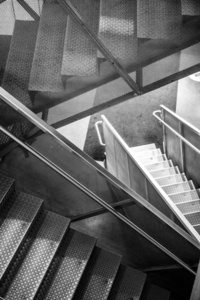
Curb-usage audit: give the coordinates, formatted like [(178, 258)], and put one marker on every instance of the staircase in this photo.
[(43, 258), (173, 183)]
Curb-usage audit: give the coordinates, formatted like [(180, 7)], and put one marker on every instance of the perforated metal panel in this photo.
[(148, 153), (197, 228), (193, 218), (118, 27), (15, 225), (38, 258), (99, 276), (7, 18), (164, 172), (184, 196), (76, 252), (170, 179), (193, 206), (80, 53), (128, 284), (177, 187), (159, 19), (153, 159), (191, 7), (21, 13), (6, 188), (46, 67), (158, 166), (157, 293)]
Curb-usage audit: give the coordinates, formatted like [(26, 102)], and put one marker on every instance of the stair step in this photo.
[(184, 196), (189, 207), (171, 179), (128, 284), (15, 224), (99, 275), (47, 60), (19, 62), (80, 53), (7, 186), (159, 165), (70, 265), (160, 20), (148, 153), (178, 187), (193, 218), (142, 148), (154, 292), (117, 28), (153, 159), (37, 261), (197, 228), (190, 7), (164, 172)]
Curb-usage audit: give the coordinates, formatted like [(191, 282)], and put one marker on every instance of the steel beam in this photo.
[(29, 10)]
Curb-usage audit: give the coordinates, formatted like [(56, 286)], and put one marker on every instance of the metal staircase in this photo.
[(42, 258), (173, 183)]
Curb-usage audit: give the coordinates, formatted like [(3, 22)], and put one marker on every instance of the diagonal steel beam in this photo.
[(100, 211), (68, 7), (29, 10)]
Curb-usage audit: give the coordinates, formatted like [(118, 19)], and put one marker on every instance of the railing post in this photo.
[(164, 132), (182, 154)]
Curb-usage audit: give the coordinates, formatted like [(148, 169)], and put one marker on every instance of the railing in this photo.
[(67, 146), (181, 143)]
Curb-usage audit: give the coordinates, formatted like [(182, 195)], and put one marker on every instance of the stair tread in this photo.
[(14, 226), (160, 21), (70, 269), (80, 53), (164, 172), (189, 207), (193, 218), (158, 165), (147, 153), (128, 284), (153, 159), (99, 275), (184, 196), (37, 261), (19, 61), (6, 188), (142, 148), (176, 178), (117, 29), (47, 60), (177, 187)]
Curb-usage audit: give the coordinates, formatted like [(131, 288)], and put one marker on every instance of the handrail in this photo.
[(29, 115), (98, 132), (174, 131), (97, 199)]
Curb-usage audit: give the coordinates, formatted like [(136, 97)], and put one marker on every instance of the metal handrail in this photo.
[(97, 199), (174, 131), (98, 132)]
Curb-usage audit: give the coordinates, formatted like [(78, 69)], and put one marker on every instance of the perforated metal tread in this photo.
[(191, 7), (147, 153), (193, 218), (36, 262), (6, 188), (19, 62), (99, 276), (171, 179), (189, 207), (153, 159), (154, 292), (117, 28), (80, 53), (184, 196), (71, 260), (142, 148), (128, 284), (159, 20), (159, 165), (46, 67), (15, 224), (164, 172), (178, 187)]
